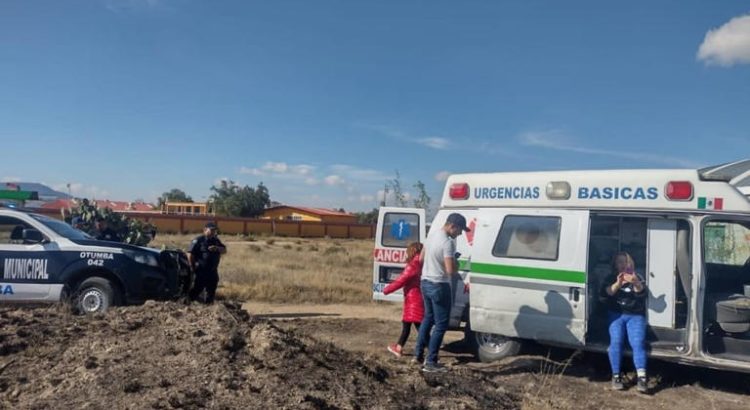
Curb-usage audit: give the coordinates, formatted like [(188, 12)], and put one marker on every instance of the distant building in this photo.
[(298, 213), (187, 208), (119, 206)]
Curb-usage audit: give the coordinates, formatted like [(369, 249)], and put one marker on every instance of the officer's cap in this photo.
[(210, 225)]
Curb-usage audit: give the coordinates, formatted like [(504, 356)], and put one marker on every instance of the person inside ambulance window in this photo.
[(625, 294)]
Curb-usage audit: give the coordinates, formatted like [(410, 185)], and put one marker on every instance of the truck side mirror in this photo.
[(31, 236)]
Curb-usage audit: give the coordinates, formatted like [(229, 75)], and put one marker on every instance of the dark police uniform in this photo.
[(206, 265), (108, 234)]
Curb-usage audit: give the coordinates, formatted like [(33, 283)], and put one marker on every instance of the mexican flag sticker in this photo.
[(710, 203)]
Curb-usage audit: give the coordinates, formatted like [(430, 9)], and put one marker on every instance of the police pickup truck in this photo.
[(46, 260)]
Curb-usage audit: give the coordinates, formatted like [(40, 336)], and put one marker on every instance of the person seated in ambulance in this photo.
[(625, 295)]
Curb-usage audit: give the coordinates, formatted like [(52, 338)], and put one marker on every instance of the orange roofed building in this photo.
[(119, 206), (298, 213)]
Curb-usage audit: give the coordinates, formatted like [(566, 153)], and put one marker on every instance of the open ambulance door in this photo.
[(528, 275), (396, 229)]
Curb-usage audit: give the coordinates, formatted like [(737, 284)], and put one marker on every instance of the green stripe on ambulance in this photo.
[(528, 273)]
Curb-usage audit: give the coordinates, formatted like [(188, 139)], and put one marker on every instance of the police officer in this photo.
[(204, 254), (77, 222), (103, 232)]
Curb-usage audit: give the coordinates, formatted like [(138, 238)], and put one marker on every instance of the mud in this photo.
[(168, 355), (541, 377)]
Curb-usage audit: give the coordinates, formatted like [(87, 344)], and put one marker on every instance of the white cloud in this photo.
[(80, 190), (728, 44), (435, 142), (558, 141), (399, 135), (279, 169), (311, 181), (219, 180), (10, 179), (334, 180), (482, 146), (303, 169), (251, 171), (442, 176), (360, 174), (390, 197), (284, 168), (365, 198)]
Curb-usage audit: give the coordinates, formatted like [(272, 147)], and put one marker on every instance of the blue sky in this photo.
[(324, 100)]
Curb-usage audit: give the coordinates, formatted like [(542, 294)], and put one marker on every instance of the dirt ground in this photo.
[(538, 378), (168, 355)]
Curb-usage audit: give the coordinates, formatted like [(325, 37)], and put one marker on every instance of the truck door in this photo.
[(396, 229), (528, 274), (25, 269), (662, 251)]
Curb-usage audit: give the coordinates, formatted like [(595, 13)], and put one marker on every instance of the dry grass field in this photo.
[(291, 270)]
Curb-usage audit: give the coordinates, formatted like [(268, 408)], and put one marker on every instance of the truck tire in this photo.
[(94, 295), (490, 347)]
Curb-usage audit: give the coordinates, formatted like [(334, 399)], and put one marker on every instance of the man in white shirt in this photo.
[(439, 265)]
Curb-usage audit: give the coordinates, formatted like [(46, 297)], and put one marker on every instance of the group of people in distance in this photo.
[(427, 302)]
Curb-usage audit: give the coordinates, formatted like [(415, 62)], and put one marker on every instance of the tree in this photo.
[(367, 217), (229, 199), (398, 194), (422, 200), (131, 231), (173, 195)]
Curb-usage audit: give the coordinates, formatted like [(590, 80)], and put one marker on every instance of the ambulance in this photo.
[(541, 247)]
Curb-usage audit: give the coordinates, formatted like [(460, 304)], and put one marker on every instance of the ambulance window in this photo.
[(528, 237), (400, 229), (726, 243)]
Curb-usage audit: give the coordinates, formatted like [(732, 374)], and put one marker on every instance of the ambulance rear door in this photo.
[(396, 229)]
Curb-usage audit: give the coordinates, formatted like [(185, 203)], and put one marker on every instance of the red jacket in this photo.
[(409, 280)]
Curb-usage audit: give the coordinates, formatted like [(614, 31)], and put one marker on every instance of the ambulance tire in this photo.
[(490, 347), (94, 295)]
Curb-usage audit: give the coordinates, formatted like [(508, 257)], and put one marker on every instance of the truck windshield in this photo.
[(60, 227)]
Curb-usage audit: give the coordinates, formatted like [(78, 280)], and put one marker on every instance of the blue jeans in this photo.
[(636, 330), (437, 308)]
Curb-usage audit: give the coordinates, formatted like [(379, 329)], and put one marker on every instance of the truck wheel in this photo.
[(491, 347), (94, 295)]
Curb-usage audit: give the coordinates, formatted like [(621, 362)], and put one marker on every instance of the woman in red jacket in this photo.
[(413, 304)]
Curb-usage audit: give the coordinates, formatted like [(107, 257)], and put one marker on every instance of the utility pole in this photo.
[(385, 194)]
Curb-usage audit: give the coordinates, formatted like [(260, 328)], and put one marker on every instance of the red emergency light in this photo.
[(459, 191), (679, 191)]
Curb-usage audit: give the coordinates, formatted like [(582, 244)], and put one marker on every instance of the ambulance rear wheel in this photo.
[(491, 347), (94, 295)]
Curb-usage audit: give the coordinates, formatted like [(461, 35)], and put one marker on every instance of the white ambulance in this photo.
[(542, 244)]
